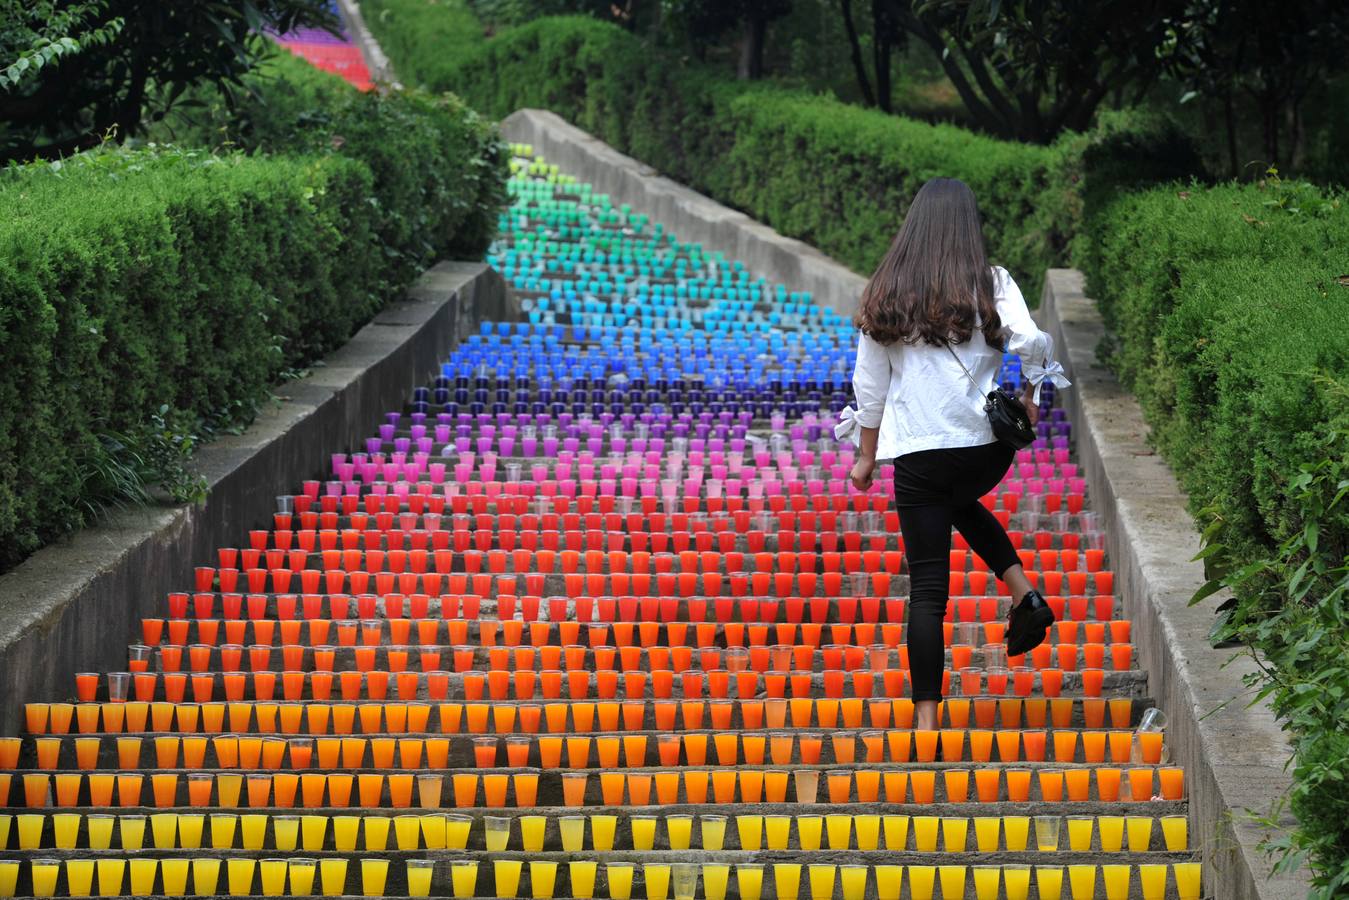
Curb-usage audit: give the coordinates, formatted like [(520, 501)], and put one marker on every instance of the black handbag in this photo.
[(1006, 413)]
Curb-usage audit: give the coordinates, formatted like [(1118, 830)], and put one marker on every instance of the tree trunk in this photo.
[(752, 48), (855, 46), (1230, 123), (881, 47)]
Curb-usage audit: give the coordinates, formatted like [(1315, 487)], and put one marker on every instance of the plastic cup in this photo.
[(464, 877), (749, 880), (1047, 833)]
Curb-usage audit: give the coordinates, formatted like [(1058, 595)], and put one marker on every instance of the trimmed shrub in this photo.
[(438, 169), (149, 296), (834, 175), (1231, 306), (137, 279)]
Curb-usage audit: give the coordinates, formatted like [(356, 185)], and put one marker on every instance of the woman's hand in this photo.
[(1028, 400), (863, 471)]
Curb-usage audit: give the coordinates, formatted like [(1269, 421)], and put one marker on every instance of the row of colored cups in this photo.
[(439, 831)]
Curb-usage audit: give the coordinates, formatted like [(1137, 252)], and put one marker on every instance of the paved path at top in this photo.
[(597, 614)]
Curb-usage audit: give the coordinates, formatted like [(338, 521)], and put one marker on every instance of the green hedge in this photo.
[(1223, 301), (149, 295), (438, 169), (1231, 306), (834, 175)]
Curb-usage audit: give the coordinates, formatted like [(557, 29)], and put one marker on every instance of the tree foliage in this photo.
[(79, 70), (1031, 69), (1236, 50)]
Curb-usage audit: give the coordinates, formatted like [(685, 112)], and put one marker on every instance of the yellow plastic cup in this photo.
[(602, 831), (749, 880), (111, 873), (506, 873), (1079, 833), (9, 877), (657, 878), (1016, 833), (822, 881), (273, 875), (285, 832), (376, 833), (582, 875), (1111, 829), (1175, 832), (987, 880), (190, 828), (838, 829), (333, 877), (809, 830), (1116, 878), (100, 827), (716, 878), (954, 833), (79, 878), (1188, 878), (205, 876), (1016, 881), (922, 879), (1139, 832), (457, 828), (143, 873), (302, 873), (239, 875), (680, 831), (1049, 882), (853, 879), (374, 872), (531, 833), (44, 873), (30, 831), (253, 830), (952, 880), (345, 831), (868, 829), (1152, 879), (433, 830), (786, 880), (749, 828), (542, 879), (65, 830), (619, 876), (896, 830), (1082, 881), (464, 877), (889, 882)]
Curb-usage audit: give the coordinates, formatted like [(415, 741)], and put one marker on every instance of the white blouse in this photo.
[(919, 397)]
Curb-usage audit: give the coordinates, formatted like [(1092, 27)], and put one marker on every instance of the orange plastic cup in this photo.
[(465, 789), (1078, 784), (1140, 784), (924, 783), (574, 788), (896, 784), (1172, 782), (1107, 784), (1051, 785)]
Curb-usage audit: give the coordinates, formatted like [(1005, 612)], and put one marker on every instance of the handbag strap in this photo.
[(963, 369)]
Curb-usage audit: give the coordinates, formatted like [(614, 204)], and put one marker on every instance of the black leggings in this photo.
[(934, 490)]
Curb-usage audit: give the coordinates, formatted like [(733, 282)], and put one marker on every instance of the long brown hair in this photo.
[(934, 284)]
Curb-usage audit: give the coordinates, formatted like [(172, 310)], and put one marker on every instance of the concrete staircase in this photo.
[(596, 615)]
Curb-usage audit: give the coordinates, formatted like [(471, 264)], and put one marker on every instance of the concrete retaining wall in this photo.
[(690, 215), (1234, 754), (76, 605)]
